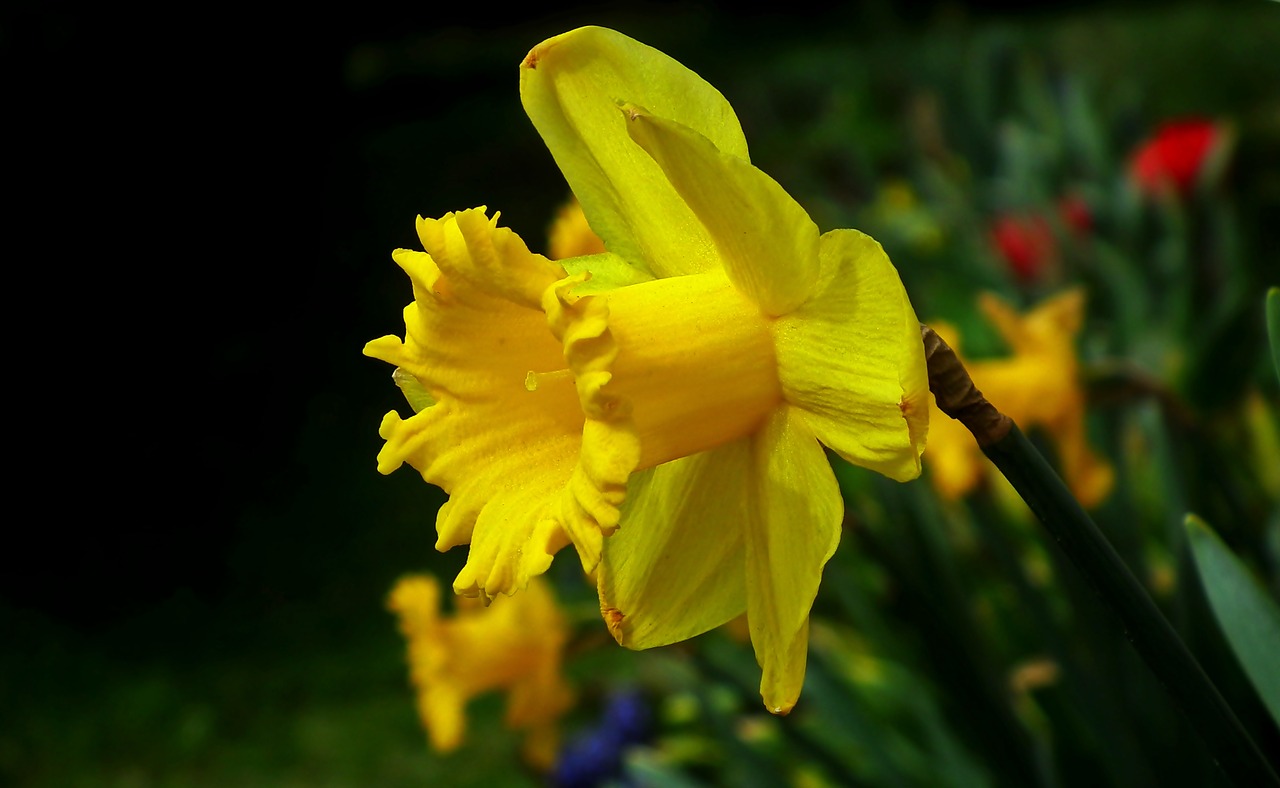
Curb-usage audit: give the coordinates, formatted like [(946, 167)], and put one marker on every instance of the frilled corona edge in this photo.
[(497, 339), (592, 500)]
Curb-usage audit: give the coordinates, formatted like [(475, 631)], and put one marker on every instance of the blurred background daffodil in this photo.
[(1038, 386), (514, 645)]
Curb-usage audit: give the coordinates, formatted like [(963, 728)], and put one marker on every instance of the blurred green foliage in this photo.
[(950, 644)]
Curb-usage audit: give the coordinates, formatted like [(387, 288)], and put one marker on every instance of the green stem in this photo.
[(1106, 573), (1145, 626)]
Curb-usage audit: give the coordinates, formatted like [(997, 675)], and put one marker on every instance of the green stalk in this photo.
[(1106, 573)]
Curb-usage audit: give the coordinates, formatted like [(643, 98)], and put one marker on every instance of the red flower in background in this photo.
[(1076, 215), (1174, 156), (1025, 242)]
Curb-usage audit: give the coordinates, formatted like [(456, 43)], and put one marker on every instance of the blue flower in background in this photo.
[(596, 755)]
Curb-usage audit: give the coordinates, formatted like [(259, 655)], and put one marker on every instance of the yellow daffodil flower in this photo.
[(680, 385), (1038, 386), (514, 645)]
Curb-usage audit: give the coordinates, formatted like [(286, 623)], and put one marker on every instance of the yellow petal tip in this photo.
[(613, 620), (531, 60), (539, 53)]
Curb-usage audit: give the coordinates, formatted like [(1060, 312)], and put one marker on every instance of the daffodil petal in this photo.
[(953, 458), (851, 358), (542, 694), (792, 531), (1089, 477), (782, 680), (674, 568), (1032, 388), (1053, 323), (416, 602), (570, 86), (443, 713), (768, 245), (441, 705)]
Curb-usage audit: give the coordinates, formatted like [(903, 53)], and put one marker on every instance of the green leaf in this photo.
[(1247, 615), (1273, 325)]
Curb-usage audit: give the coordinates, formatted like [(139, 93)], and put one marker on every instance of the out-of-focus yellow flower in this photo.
[(1033, 674), (570, 234), (681, 384), (1038, 386), (514, 645)]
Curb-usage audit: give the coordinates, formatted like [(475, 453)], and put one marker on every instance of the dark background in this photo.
[(205, 202)]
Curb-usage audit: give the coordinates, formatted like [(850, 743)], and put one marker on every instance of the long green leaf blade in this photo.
[(1248, 616)]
